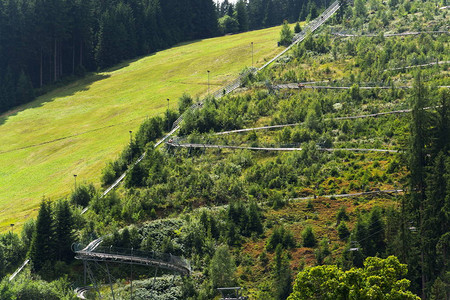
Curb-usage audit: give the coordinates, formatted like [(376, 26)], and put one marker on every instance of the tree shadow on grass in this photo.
[(70, 89), (63, 89)]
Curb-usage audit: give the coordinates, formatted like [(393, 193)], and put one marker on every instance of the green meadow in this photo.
[(78, 128)]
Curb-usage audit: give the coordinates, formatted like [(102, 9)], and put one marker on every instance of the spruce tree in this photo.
[(43, 242), (242, 16), (282, 278), (24, 90), (64, 231), (286, 35), (375, 231)]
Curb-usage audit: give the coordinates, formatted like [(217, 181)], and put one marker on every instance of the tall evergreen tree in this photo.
[(42, 245), (282, 277), (64, 231), (242, 15)]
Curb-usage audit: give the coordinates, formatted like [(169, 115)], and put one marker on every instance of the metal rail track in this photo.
[(296, 124), (152, 259), (329, 87), (419, 66), (205, 146), (413, 33), (19, 270), (311, 27)]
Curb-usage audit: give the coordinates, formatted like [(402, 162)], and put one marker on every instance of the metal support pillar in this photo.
[(85, 272), (154, 281), (110, 282), (91, 277)]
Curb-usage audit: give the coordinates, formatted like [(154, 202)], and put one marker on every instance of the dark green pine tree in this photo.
[(205, 20), (419, 141), (282, 278), (256, 13), (442, 140), (418, 155), (242, 16), (42, 244), (24, 90), (64, 231), (376, 235), (359, 236), (254, 216), (435, 217), (9, 87), (270, 18)]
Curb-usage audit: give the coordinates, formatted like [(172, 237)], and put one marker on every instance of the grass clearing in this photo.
[(78, 128)]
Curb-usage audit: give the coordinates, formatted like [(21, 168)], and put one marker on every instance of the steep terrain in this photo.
[(76, 129)]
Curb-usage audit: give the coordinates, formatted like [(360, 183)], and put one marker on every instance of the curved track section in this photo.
[(126, 256)]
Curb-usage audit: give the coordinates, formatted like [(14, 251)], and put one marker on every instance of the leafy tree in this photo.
[(360, 8), (83, 195), (222, 268), (323, 251), (228, 24), (184, 102), (286, 35), (379, 279)]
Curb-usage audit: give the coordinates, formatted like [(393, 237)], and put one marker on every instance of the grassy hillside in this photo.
[(76, 129), (195, 201)]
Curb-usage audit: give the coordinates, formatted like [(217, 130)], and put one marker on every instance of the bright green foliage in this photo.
[(12, 252), (228, 24), (360, 8), (222, 268), (83, 195), (184, 102), (286, 35), (380, 279), (26, 287)]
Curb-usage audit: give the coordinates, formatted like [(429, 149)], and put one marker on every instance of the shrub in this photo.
[(184, 102), (343, 231), (297, 28), (286, 35), (342, 215), (82, 195), (280, 236), (309, 239)]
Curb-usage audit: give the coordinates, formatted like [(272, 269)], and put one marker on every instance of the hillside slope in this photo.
[(76, 129)]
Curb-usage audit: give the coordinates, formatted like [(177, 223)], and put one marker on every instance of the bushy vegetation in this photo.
[(252, 218)]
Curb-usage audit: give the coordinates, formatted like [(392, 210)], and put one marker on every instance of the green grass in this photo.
[(90, 119)]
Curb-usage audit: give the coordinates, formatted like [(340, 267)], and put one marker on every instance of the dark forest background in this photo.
[(43, 42)]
